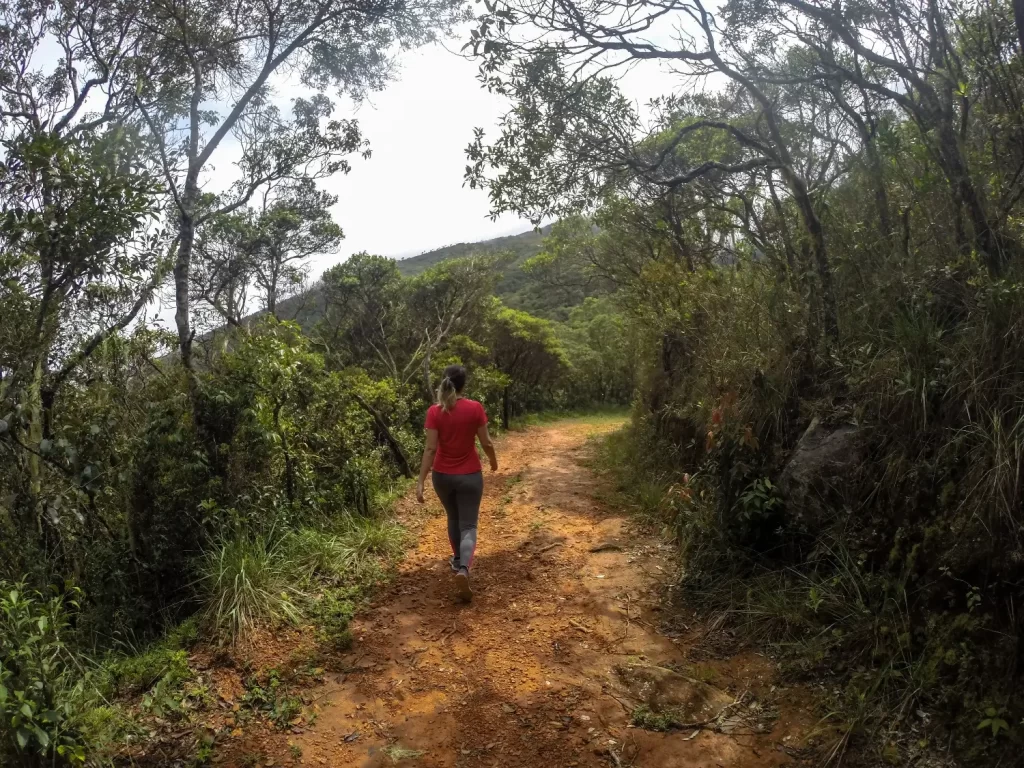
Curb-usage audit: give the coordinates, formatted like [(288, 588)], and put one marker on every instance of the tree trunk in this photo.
[(905, 219), (505, 409), (427, 384), (987, 241), (881, 194), (393, 444), (289, 468), (1018, 15), (182, 266), (34, 437), (787, 241), (272, 294), (829, 310)]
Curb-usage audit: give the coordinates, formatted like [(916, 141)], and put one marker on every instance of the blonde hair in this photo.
[(446, 394), (451, 385)]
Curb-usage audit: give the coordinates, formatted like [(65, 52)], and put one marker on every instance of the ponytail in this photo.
[(446, 394), (452, 384)]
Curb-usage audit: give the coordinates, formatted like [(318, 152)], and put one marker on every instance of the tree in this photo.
[(261, 250), (563, 264), (291, 228), (903, 53), (446, 300), (602, 351), (76, 260), (526, 350), (82, 89), (570, 138), (392, 325), (220, 64), (364, 319), (77, 265), (223, 277)]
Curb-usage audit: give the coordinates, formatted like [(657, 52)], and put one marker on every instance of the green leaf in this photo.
[(22, 736), (43, 738)]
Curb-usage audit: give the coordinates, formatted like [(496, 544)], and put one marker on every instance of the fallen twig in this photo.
[(445, 633), (581, 627)]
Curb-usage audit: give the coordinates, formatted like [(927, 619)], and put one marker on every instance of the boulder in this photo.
[(820, 469)]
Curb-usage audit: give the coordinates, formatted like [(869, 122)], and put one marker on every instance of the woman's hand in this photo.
[(494, 463), (419, 491)]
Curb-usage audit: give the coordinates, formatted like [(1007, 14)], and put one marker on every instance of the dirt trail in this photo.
[(564, 640)]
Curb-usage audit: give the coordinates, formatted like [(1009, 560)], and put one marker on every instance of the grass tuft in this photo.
[(646, 718), (247, 582), (398, 753)]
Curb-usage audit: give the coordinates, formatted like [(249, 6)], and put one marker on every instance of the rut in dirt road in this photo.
[(564, 644)]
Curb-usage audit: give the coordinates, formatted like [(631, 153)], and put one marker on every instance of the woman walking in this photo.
[(453, 426)]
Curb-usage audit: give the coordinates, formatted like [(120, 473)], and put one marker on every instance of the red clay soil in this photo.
[(566, 638)]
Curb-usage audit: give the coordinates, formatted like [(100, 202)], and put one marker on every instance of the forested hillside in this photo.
[(800, 264), (520, 285)]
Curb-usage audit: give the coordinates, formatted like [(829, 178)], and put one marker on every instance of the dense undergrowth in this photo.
[(893, 579), (81, 707)]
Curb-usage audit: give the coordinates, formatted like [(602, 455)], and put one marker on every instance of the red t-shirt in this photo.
[(456, 436)]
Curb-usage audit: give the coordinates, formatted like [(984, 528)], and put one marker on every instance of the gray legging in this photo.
[(460, 495)]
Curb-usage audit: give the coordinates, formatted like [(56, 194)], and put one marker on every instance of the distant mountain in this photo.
[(524, 245), (516, 288)]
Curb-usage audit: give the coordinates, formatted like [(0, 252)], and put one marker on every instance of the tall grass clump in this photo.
[(248, 581), (368, 538)]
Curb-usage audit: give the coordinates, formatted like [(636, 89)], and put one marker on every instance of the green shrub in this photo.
[(268, 695), (43, 686), (135, 674)]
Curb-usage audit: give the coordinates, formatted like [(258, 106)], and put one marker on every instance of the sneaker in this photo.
[(454, 564), (462, 584)]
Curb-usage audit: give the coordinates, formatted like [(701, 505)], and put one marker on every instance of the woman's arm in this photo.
[(485, 442), (428, 461)]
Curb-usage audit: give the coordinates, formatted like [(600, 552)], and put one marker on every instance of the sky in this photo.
[(409, 196)]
